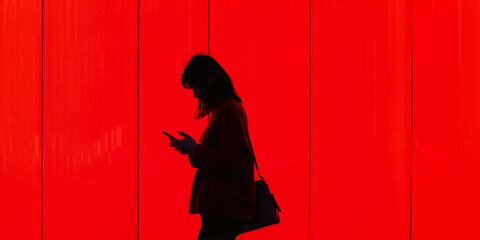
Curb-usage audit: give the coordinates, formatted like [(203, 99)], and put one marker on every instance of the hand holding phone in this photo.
[(169, 135), (184, 146)]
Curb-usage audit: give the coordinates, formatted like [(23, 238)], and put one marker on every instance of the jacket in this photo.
[(224, 182)]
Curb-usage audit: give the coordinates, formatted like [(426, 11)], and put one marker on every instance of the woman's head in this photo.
[(209, 83)]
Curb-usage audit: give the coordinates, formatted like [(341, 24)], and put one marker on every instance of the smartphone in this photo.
[(169, 135)]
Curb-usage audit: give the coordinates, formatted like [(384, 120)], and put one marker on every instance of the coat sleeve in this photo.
[(233, 151)]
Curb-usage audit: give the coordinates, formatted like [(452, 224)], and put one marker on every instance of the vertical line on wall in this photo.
[(309, 111), (208, 27), (138, 120), (411, 114), (41, 129)]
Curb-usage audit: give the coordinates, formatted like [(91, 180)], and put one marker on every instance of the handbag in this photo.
[(266, 206)]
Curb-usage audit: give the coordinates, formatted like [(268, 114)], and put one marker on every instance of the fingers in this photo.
[(177, 147), (180, 149), (179, 144), (184, 134)]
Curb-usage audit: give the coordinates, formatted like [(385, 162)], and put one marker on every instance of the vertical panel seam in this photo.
[(411, 115), (309, 112), (138, 120), (41, 129)]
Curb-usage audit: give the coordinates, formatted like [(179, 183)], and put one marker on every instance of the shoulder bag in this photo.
[(266, 207)]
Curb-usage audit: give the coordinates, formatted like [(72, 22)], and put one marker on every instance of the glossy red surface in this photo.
[(446, 120), (327, 88), (20, 120), (360, 162), (90, 120)]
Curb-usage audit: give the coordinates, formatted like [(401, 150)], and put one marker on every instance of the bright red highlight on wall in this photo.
[(364, 116), (360, 120), (446, 120), (20, 120), (90, 120)]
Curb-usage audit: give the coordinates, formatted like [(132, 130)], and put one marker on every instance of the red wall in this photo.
[(90, 113), (364, 117), (361, 86), (20, 120), (446, 120)]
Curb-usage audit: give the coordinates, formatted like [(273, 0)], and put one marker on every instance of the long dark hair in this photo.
[(202, 71)]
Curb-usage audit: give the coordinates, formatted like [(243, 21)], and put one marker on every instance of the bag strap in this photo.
[(254, 160)]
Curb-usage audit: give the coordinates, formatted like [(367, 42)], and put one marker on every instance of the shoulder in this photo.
[(227, 102), (230, 106)]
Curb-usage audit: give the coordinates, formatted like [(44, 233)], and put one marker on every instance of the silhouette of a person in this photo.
[(223, 190)]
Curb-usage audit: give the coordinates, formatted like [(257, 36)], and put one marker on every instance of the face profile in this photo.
[(209, 83), (195, 93)]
